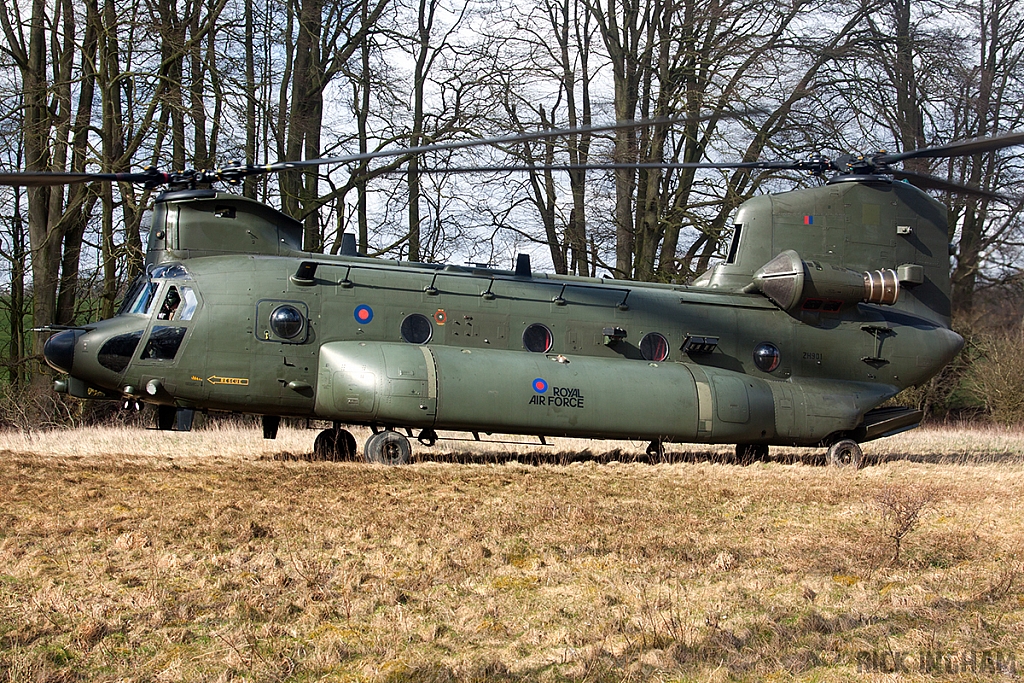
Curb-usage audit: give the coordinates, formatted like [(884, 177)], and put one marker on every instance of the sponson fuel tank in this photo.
[(554, 395)]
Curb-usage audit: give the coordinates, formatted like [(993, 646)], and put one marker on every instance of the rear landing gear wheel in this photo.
[(334, 445), (656, 450), (428, 437), (748, 453), (351, 448), (845, 453), (388, 448)]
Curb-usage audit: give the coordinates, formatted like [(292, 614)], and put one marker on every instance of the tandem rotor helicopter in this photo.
[(830, 302)]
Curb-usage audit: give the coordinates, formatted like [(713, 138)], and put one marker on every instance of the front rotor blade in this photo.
[(45, 179), (931, 182), (462, 144), (957, 149), (758, 165)]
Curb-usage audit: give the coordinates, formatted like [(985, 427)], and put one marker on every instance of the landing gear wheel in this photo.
[(748, 453), (387, 448), (165, 417), (845, 453), (271, 423), (656, 449), (351, 448), (334, 445), (428, 437)]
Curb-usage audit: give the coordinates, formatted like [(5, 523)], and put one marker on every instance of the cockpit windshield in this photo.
[(168, 271), (140, 298)]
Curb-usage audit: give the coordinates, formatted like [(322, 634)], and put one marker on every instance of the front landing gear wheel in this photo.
[(749, 453), (334, 445), (165, 416), (845, 453), (387, 448)]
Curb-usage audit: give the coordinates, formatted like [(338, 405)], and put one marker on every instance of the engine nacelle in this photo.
[(797, 285)]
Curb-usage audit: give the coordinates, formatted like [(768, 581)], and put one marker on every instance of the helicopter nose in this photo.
[(59, 350)]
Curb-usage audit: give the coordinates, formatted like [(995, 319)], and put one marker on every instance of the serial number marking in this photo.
[(809, 355)]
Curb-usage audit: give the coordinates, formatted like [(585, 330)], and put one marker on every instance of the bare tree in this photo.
[(930, 81), (327, 37)]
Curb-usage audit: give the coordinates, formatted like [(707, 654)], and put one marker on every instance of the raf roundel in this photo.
[(363, 314), (540, 386)]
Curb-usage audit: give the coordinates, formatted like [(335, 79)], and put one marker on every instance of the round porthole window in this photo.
[(286, 322), (766, 356), (654, 347), (538, 338), (416, 329)]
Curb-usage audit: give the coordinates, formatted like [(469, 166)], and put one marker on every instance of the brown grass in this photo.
[(139, 555)]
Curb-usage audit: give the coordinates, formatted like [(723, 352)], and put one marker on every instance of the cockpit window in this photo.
[(735, 245), (139, 298), (179, 304), (188, 306), (116, 353), (144, 299), (163, 343), (170, 305), (138, 284)]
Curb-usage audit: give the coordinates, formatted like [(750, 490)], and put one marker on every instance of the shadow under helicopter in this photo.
[(618, 456)]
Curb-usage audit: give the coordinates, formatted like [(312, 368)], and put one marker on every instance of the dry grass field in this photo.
[(134, 555)]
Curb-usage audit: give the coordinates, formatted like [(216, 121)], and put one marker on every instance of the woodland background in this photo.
[(105, 85)]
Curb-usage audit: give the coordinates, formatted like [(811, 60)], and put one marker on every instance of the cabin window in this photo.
[(654, 347), (140, 298), (538, 338), (735, 245), (286, 322), (416, 329), (766, 356)]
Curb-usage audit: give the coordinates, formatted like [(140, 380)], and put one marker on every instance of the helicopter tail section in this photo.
[(853, 234)]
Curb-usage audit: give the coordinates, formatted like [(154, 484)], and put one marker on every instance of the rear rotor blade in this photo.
[(956, 149), (931, 182)]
